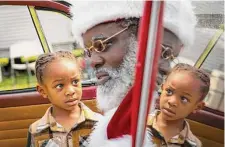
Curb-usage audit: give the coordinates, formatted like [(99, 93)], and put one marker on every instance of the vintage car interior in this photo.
[(31, 21)]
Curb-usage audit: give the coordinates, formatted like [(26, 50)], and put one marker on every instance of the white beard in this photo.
[(111, 93), (109, 96)]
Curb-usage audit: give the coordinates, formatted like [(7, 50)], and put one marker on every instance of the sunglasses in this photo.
[(100, 45)]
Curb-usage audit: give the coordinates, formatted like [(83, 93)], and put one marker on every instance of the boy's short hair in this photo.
[(46, 58), (202, 75)]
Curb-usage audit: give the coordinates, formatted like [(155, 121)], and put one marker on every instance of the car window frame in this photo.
[(204, 55), (210, 46), (32, 6)]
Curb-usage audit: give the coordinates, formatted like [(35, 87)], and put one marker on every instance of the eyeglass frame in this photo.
[(166, 48), (90, 49)]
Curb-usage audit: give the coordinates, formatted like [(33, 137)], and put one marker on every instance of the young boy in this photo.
[(182, 94), (68, 120)]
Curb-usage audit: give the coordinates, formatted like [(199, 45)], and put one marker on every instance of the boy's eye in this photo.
[(169, 92), (75, 82), (184, 99), (59, 86)]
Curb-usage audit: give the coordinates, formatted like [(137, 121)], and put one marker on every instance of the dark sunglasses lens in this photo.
[(98, 45)]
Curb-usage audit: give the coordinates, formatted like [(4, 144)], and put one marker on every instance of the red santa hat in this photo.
[(179, 17)]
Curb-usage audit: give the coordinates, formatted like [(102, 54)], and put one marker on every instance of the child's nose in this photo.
[(173, 102), (70, 91)]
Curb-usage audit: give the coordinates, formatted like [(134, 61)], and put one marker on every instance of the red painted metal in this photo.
[(143, 39), (89, 93), (46, 4), (34, 98)]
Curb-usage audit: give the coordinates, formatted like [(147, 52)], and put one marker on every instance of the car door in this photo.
[(28, 29)]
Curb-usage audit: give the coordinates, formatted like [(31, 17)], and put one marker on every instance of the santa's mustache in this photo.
[(113, 73)]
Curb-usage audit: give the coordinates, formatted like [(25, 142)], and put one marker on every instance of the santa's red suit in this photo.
[(178, 18)]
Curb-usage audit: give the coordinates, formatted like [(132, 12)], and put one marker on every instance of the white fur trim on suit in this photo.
[(98, 137), (178, 17)]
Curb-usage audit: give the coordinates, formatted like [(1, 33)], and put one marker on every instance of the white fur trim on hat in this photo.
[(178, 17), (88, 14)]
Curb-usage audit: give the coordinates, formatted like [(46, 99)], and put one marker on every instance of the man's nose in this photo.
[(173, 101), (163, 70), (164, 66), (96, 60)]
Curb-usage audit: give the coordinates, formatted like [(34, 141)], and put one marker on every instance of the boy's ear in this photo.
[(41, 90), (199, 106)]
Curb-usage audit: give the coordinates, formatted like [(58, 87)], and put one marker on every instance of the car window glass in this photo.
[(19, 48), (214, 64), (210, 16), (59, 37)]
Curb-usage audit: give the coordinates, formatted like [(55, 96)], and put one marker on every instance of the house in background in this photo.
[(210, 13), (16, 26)]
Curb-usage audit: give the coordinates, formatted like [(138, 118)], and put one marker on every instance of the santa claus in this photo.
[(108, 29)]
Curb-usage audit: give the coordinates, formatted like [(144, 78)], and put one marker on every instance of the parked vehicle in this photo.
[(20, 103)]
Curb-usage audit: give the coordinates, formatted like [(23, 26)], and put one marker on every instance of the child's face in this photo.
[(180, 96), (62, 84)]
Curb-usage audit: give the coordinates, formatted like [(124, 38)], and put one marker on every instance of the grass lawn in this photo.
[(21, 82)]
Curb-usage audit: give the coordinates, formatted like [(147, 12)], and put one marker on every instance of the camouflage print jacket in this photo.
[(184, 139), (46, 132)]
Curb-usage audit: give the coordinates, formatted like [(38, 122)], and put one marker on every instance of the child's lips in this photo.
[(72, 101), (168, 112)]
